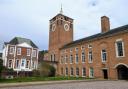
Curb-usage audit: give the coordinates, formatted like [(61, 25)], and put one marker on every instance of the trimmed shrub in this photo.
[(46, 70)]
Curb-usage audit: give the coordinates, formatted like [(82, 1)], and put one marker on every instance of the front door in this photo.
[(105, 73), (23, 63), (122, 72)]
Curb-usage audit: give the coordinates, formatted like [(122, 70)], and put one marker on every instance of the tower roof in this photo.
[(61, 15)]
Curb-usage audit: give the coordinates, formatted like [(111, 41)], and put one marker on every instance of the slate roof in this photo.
[(110, 32), (19, 40)]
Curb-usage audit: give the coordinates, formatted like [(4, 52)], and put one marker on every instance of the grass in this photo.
[(32, 79)]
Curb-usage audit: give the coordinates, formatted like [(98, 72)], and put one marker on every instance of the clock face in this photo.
[(66, 27), (53, 27)]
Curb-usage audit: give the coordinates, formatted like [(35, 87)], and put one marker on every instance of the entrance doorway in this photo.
[(105, 73), (122, 72)]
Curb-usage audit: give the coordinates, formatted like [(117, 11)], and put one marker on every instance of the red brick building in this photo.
[(21, 54), (102, 55)]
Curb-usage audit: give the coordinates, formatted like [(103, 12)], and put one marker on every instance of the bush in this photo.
[(46, 70), (1, 66)]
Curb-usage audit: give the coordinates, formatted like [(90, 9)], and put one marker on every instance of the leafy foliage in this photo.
[(1, 67), (45, 70)]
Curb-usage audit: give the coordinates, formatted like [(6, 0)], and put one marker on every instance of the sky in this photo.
[(30, 18)]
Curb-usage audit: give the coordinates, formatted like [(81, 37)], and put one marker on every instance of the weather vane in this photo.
[(61, 11)]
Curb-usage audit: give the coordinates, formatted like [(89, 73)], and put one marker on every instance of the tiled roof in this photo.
[(19, 40), (111, 32)]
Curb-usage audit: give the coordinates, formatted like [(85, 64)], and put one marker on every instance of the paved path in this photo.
[(80, 85)]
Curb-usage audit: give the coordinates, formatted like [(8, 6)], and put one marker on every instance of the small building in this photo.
[(20, 54)]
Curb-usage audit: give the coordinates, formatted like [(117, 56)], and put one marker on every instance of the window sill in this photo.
[(120, 56), (103, 62)]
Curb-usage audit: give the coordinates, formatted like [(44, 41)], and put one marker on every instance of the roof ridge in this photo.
[(111, 31)]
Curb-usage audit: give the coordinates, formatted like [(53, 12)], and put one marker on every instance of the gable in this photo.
[(24, 45)]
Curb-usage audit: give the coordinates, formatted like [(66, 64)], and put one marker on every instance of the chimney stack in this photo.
[(105, 24)]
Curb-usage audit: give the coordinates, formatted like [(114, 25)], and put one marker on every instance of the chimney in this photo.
[(105, 24)]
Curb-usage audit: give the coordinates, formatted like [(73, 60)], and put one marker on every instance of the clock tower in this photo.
[(60, 34)]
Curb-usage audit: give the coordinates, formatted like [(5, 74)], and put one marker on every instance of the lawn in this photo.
[(32, 79)]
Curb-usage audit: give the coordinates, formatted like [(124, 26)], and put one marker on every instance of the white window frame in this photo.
[(18, 51), (11, 50), (28, 52), (28, 64), (9, 63), (89, 46), (71, 49), (76, 49), (102, 55), (61, 59), (34, 52), (66, 71), (76, 58), (83, 47), (17, 67), (34, 64), (66, 59), (71, 71), (23, 66), (90, 74), (116, 47), (83, 73), (90, 56), (77, 71), (71, 59), (82, 56)]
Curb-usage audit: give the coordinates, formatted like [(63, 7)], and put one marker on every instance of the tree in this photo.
[(1, 66), (41, 55), (46, 70)]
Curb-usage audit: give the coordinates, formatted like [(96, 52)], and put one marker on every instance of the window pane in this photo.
[(83, 72), (104, 55), (71, 58), (77, 71), (120, 48), (83, 57), (71, 71), (77, 59), (90, 57)]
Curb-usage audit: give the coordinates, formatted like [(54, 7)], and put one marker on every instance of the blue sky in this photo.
[(30, 18)]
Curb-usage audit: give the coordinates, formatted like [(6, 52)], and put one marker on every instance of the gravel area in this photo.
[(80, 85)]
